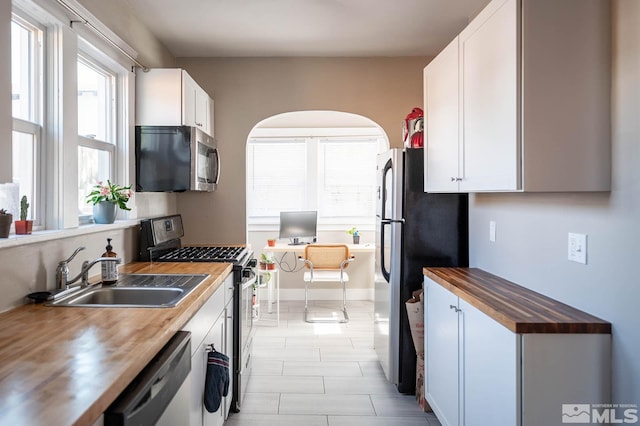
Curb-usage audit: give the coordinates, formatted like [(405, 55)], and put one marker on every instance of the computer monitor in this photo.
[(296, 225)]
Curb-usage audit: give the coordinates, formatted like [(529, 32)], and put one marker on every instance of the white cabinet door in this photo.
[(441, 349), (189, 99), (441, 121), (489, 370), (195, 380), (489, 57), (202, 110), (215, 337)]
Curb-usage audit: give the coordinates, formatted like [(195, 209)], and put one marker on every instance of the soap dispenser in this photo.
[(109, 269)]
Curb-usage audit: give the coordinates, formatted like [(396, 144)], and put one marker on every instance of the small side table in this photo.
[(273, 285)]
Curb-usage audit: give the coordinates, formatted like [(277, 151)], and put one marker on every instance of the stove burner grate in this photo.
[(205, 254)]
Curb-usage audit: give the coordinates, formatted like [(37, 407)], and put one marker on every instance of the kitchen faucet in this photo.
[(62, 271)]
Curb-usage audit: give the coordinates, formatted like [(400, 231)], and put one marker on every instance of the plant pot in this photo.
[(356, 239), (104, 212), (267, 266), (5, 225), (23, 227), (271, 242)]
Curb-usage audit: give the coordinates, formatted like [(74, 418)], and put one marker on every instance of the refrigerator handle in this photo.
[(383, 188), (383, 268)]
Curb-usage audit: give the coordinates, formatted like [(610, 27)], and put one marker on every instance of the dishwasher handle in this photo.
[(146, 397)]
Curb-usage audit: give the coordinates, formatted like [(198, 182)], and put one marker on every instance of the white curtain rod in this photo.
[(101, 34)]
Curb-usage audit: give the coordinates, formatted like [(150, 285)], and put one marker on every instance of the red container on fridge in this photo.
[(412, 129)]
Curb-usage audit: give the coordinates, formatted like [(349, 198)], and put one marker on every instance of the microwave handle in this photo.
[(217, 154)]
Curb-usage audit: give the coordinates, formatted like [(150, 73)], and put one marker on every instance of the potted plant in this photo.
[(267, 262), (24, 226), (5, 223), (356, 235), (106, 199)]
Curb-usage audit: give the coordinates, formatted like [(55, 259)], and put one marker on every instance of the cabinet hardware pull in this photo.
[(453, 307), (456, 179)]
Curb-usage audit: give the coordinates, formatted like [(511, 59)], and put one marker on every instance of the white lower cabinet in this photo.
[(210, 325), (478, 372), (489, 367), (441, 353)]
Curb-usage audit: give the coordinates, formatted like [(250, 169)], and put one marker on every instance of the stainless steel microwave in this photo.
[(175, 159)]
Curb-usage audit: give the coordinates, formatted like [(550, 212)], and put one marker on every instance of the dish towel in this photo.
[(216, 384)]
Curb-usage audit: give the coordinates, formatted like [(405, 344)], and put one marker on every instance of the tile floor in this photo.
[(322, 374)]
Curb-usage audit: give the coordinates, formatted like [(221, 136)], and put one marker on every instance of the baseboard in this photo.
[(324, 294)]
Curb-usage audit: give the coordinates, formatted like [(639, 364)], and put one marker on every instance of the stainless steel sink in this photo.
[(135, 290)]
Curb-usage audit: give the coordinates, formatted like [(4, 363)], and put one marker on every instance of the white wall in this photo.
[(531, 243)]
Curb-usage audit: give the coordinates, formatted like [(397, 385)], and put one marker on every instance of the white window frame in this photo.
[(115, 109), (34, 127), (312, 138)]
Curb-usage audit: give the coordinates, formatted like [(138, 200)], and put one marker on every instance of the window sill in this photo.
[(42, 236)]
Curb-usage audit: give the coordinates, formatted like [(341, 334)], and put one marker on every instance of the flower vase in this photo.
[(104, 212)]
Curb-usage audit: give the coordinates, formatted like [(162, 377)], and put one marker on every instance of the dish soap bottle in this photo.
[(109, 269)]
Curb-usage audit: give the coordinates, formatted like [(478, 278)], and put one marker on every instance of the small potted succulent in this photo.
[(267, 262), (24, 226), (356, 235), (5, 223)]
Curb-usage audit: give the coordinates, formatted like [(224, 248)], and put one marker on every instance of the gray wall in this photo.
[(248, 90), (531, 242)]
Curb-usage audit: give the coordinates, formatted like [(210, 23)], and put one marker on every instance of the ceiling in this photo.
[(355, 28)]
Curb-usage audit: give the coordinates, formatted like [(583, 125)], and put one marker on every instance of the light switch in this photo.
[(577, 248), (492, 231)]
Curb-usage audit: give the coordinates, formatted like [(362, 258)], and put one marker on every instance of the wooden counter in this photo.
[(519, 309), (65, 365)]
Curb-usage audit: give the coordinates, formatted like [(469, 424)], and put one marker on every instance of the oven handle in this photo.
[(251, 281)]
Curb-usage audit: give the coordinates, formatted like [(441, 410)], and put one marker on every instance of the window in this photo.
[(96, 129), (346, 178), (277, 177), (27, 101), (335, 176)]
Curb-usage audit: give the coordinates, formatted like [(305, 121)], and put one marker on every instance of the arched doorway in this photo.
[(314, 160)]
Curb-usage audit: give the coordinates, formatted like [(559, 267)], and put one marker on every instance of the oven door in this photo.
[(247, 331)]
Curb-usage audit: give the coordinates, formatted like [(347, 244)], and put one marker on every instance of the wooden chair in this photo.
[(326, 263)]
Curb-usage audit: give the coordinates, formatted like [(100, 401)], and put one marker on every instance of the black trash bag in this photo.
[(216, 384)]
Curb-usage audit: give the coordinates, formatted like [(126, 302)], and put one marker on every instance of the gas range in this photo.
[(159, 241)]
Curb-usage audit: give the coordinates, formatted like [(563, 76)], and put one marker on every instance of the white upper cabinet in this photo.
[(530, 110), (171, 97), (441, 114)]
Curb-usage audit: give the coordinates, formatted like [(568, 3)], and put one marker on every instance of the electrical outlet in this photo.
[(492, 231), (577, 248)]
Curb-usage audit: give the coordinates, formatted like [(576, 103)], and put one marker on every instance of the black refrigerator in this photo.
[(413, 229)]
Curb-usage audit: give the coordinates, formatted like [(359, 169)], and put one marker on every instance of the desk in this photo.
[(299, 249), (361, 272)]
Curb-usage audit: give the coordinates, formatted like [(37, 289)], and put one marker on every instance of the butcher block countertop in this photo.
[(65, 365), (519, 309)]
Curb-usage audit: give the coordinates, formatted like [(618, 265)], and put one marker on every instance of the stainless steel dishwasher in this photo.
[(157, 395)]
